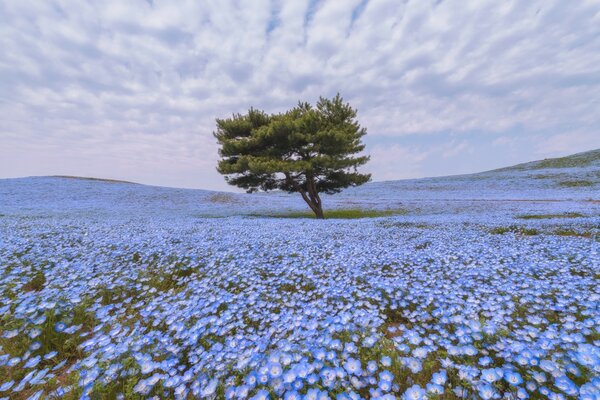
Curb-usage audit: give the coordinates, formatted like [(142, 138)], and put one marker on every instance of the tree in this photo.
[(309, 150)]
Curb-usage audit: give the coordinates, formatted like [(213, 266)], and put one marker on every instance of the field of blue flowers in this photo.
[(117, 291)]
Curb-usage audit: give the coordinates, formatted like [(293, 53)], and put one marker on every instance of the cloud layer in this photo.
[(130, 90)]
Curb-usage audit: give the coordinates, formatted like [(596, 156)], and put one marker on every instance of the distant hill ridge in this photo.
[(86, 178), (585, 159), (577, 160)]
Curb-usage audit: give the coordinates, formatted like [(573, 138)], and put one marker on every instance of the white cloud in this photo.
[(151, 76)]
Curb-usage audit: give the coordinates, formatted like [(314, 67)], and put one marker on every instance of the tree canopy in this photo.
[(308, 149)]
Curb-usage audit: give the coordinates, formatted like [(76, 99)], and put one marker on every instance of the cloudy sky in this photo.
[(130, 90)]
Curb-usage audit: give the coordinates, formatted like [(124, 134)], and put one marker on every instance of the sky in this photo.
[(131, 89)]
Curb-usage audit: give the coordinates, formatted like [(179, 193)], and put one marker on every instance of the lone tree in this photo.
[(309, 150)]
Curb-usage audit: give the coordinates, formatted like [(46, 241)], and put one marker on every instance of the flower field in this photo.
[(164, 295)]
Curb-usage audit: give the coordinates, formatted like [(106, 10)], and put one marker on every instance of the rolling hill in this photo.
[(574, 178)]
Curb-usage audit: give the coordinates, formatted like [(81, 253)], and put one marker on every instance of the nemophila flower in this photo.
[(447, 363), (251, 379), (539, 377), (242, 391), (415, 392), (353, 366), (60, 327), (311, 394), (36, 395), (350, 348), (384, 385), (289, 376), (486, 391), (469, 350), (513, 378), (491, 375), (356, 382), (403, 348), (292, 395), (210, 388), (261, 395), (142, 387), (371, 366), (386, 361), (544, 391), (435, 388), (6, 385), (420, 352), (566, 385), (414, 365), (10, 334), (547, 365), (440, 377), (485, 361), (369, 341), (556, 396), (386, 376), (32, 362), (589, 391), (587, 355)]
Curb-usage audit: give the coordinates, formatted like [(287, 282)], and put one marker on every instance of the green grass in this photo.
[(223, 198), (572, 232), (352, 213), (550, 216), (572, 161), (521, 230), (36, 283), (580, 183), (87, 178)]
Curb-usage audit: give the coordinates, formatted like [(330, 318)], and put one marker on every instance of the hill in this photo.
[(572, 178)]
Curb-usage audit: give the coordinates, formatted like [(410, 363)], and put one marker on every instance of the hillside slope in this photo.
[(573, 178)]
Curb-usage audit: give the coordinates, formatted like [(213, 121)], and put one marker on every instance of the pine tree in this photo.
[(309, 150)]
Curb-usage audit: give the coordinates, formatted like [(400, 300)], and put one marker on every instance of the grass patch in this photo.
[(48, 339), (353, 213), (572, 232), (550, 216), (580, 183), (521, 230), (86, 178), (572, 161), (223, 198), (36, 283)]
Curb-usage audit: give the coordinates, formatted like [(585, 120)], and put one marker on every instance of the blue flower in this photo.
[(415, 392), (513, 378), (491, 375), (60, 327), (440, 377), (486, 391), (352, 366), (261, 395)]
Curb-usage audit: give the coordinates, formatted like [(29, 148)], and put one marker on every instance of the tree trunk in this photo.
[(319, 212), (310, 196), (314, 198), (314, 203)]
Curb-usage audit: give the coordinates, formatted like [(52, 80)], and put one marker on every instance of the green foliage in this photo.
[(572, 161), (572, 232), (521, 230), (551, 216), (36, 283), (353, 213), (308, 149), (580, 183)]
